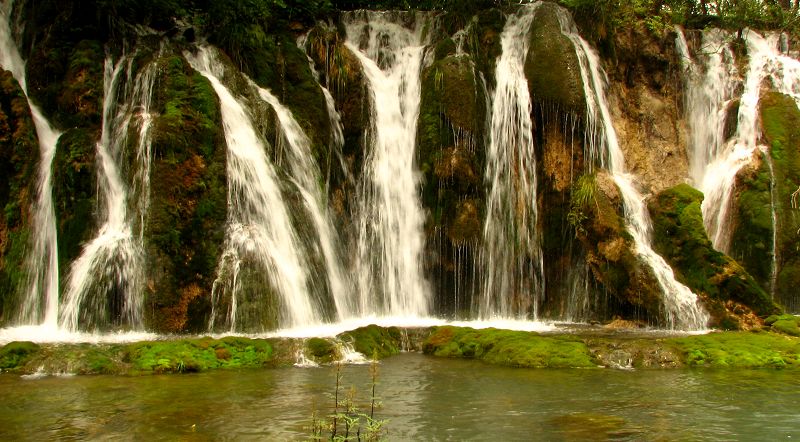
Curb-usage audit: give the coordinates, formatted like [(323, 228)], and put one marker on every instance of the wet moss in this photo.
[(551, 66), (14, 355), (19, 155), (780, 119), (505, 347), (189, 159), (786, 324), (321, 350), (374, 341), (739, 350), (193, 355), (74, 189), (680, 237)]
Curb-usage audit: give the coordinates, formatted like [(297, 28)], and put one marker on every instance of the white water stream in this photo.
[(106, 283), (682, 309), (512, 255), (390, 241), (260, 232), (40, 303)]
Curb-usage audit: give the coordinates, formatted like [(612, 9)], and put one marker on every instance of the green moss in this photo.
[(551, 66), (192, 355), (504, 347), (373, 340), (780, 119), (189, 159), (739, 350), (15, 354), (74, 187), (680, 237), (322, 350), (786, 324), (19, 156)]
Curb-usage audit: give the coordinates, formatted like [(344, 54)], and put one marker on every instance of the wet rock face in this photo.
[(768, 186), (19, 155), (189, 160), (610, 251), (644, 95), (729, 292), (551, 67)]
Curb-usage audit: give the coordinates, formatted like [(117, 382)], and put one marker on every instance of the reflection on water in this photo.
[(424, 398)]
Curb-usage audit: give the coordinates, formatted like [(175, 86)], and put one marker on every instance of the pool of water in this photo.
[(423, 398)]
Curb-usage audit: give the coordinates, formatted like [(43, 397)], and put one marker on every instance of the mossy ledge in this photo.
[(775, 346)]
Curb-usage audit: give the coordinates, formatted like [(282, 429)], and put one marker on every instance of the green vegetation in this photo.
[(504, 347), (680, 237), (348, 422), (786, 324), (16, 354), (380, 342), (739, 350), (19, 155), (197, 355)]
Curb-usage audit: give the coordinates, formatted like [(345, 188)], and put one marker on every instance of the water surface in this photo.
[(424, 398)]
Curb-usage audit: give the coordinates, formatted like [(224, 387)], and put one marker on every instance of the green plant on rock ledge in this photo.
[(581, 201)]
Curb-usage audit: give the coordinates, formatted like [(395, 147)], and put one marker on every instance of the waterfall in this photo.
[(715, 161), (390, 216), (105, 285), (512, 256), (682, 309), (306, 176), (42, 260), (260, 236)]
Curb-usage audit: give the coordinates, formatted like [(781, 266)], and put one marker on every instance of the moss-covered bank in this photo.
[(777, 346)]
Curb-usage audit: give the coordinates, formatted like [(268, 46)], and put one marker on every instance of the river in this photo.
[(424, 398)]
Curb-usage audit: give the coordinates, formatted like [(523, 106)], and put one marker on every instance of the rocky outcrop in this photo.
[(19, 157), (644, 95), (451, 157), (189, 160), (596, 217), (732, 296), (766, 188)]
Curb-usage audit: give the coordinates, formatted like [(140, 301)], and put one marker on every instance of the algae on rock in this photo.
[(731, 295)]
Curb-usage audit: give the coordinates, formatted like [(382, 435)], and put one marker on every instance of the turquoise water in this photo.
[(423, 398)]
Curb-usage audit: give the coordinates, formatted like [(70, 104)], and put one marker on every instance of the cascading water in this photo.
[(715, 160), (40, 296), (512, 256), (306, 176), (681, 305), (261, 241), (105, 284), (390, 241)]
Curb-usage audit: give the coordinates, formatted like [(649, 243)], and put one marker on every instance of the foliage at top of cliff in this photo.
[(604, 15)]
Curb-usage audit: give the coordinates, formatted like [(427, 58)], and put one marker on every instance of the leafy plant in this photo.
[(348, 422)]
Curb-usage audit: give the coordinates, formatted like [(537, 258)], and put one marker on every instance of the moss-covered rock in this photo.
[(680, 237), (739, 350), (551, 65), (786, 324), (19, 156), (597, 221), (780, 119), (189, 160), (374, 341), (74, 191), (196, 355), (504, 347), (14, 355), (63, 45)]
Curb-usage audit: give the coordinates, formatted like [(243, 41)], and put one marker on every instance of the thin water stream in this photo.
[(423, 398)]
